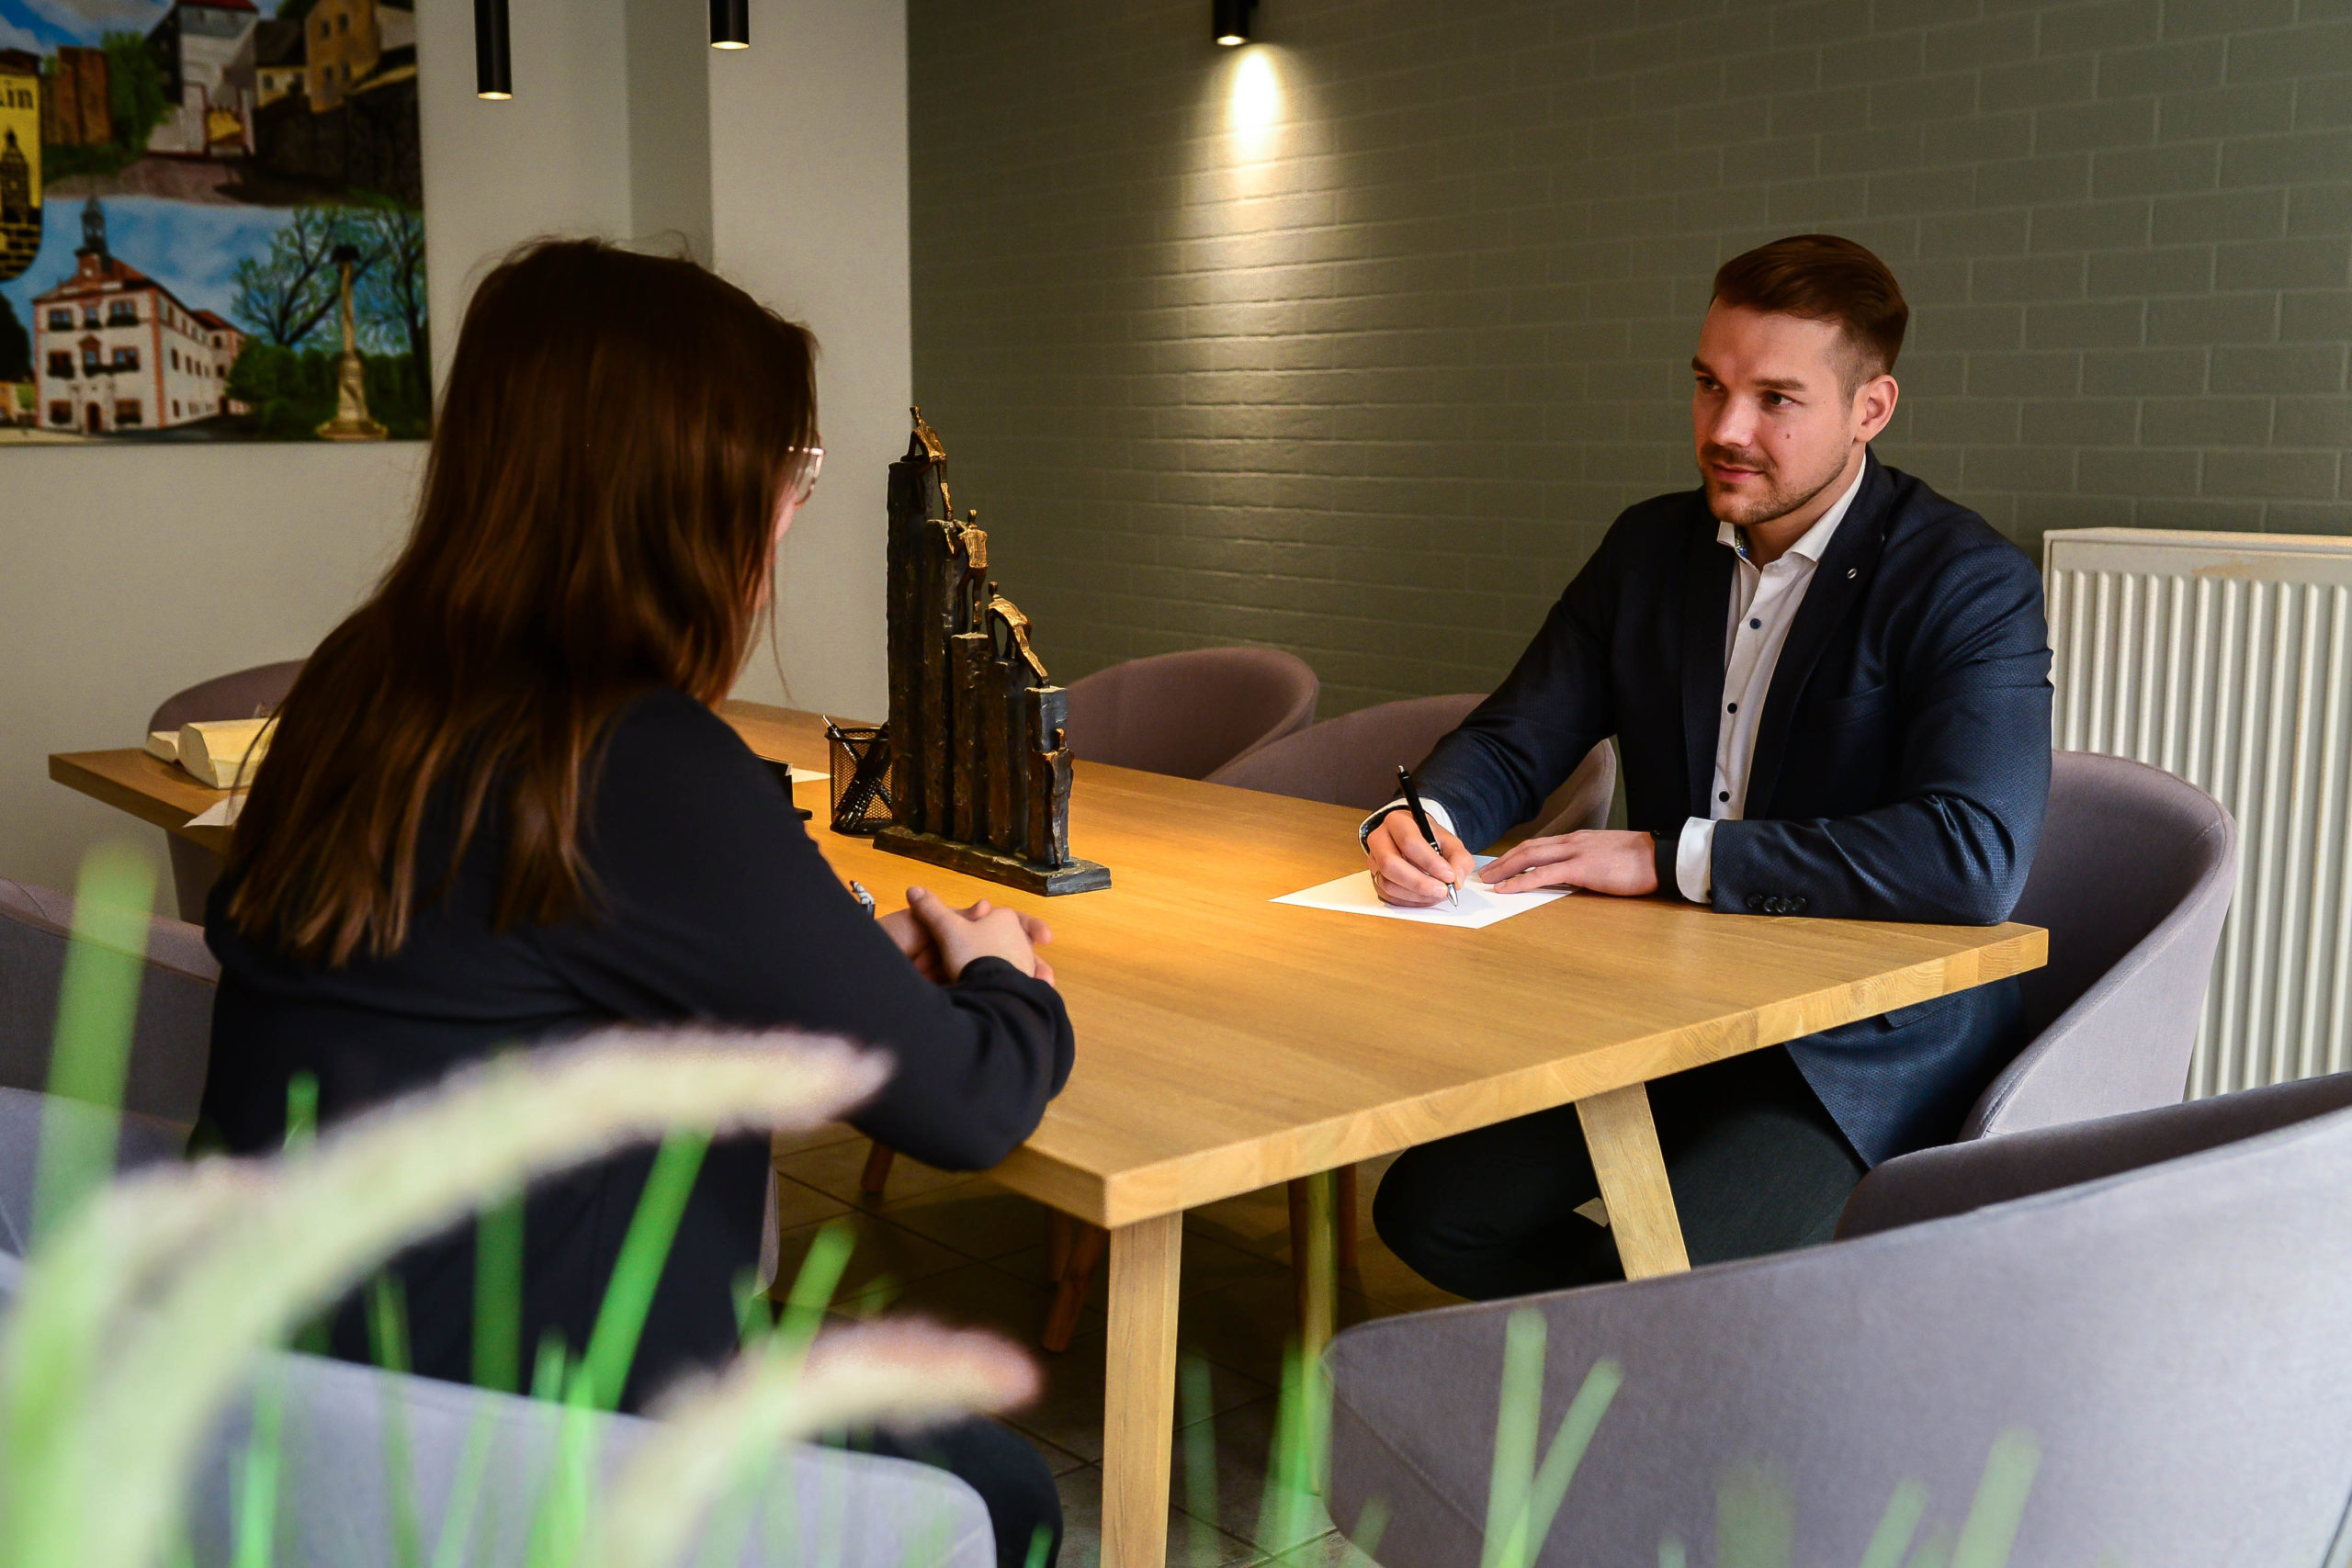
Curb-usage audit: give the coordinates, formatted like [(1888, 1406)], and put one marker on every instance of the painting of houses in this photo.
[(188, 190)]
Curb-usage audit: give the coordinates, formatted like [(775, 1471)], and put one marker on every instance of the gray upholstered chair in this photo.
[(2164, 1348), (2132, 880), (819, 1508), (1352, 761), (1956, 1177), (1190, 714), (243, 693), (28, 1117), (171, 1037)]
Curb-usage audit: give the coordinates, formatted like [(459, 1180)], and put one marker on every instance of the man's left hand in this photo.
[(1598, 862)]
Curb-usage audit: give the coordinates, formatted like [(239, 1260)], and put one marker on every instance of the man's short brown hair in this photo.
[(1824, 278)]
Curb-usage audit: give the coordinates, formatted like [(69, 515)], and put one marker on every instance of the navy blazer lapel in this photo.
[(1706, 605), (1839, 583)]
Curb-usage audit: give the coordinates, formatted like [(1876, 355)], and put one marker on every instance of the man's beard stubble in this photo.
[(1777, 500)]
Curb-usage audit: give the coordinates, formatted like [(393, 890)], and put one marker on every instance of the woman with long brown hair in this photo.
[(499, 809)]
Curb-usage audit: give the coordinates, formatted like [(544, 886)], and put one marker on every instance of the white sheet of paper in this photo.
[(807, 776), (219, 814), (1353, 894)]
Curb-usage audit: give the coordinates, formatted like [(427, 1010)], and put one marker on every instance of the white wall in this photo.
[(809, 172), (128, 573), (669, 125)]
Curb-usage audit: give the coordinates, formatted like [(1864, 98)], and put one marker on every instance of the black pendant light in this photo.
[(1229, 21), (493, 67), (730, 24)]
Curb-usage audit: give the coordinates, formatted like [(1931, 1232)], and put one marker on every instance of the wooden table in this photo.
[(1226, 1043)]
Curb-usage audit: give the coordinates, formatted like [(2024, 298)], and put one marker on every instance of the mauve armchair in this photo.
[(2152, 1361), (362, 1445), (171, 1039), (2132, 881), (1190, 714)]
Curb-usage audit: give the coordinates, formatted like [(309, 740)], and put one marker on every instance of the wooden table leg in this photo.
[(1069, 1295), (1343, 1215), (1139, 1392), (1622, 1140), (1319, 1309)]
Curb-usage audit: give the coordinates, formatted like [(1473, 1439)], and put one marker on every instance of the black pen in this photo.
[(1421, 821)]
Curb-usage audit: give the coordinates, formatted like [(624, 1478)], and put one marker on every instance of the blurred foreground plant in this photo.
[(144, 1303)]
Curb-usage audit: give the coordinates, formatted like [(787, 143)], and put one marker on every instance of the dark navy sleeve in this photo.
[(714, 904)]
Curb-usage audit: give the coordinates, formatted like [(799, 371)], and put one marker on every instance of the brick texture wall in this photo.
[(1355, 340)]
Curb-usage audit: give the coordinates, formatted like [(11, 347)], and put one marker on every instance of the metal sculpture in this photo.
[(979, 756)]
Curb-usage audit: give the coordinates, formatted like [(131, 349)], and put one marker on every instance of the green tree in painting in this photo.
[(389, 298), (288, 299), (136, 101), (15, 350), (290, 295)]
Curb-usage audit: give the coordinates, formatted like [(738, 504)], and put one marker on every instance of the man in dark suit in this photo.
[(1829, 687)]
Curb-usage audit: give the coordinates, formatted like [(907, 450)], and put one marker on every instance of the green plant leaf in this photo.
[(97, 1005), (1991, 1528)]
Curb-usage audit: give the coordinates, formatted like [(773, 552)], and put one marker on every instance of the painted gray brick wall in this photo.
[(1353, 341)]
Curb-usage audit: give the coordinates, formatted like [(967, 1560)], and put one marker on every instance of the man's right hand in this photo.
[(1405, 871)]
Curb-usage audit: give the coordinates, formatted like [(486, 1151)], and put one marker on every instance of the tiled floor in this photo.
[(962, 1249)]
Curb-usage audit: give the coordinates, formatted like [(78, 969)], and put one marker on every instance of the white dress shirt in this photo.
[(1764, 601)]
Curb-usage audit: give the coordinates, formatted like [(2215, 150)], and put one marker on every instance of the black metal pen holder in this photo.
[(861, 768)]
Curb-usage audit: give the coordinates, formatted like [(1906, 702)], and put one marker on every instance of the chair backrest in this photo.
[(1953, 1179), (339, 1477), (242, 693), (28, 1120), (343, 1487), (2168, 1344), (171, 1042), (1352, 760), (1582, 802), (1190, 714), (2132, 881)]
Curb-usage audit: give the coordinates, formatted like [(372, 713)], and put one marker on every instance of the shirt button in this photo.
[(1755, 625), (1731, 707)]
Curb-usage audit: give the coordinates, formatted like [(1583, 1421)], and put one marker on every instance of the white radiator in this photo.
[(2226, 658)]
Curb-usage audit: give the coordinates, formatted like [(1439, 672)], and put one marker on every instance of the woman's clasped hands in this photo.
[(940, 939)]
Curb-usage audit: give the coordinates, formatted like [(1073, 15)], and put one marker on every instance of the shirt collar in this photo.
[(1814, 541)]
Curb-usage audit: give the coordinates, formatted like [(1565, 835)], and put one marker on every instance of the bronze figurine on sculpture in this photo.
[(980, 763)]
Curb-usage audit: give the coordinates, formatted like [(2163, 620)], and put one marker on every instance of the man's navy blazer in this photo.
[(1902, 762)]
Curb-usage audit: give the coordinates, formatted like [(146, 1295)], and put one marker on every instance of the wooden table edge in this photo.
[(74, 770), (1190, 1181)]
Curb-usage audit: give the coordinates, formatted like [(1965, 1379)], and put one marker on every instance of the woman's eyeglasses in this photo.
[(809, 476)]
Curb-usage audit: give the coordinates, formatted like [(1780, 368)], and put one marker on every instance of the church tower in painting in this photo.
[(19, 161)]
